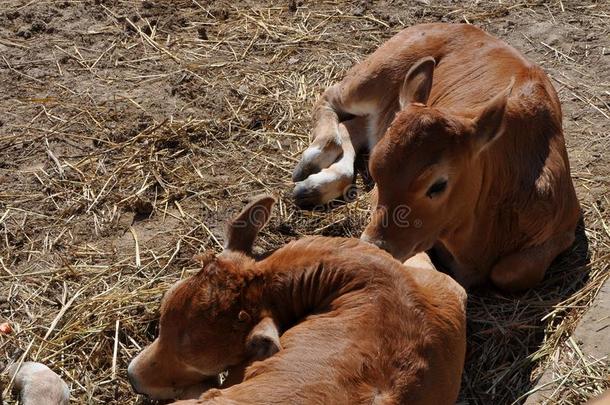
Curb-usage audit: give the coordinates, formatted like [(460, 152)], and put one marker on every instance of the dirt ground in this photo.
[(129, 131)]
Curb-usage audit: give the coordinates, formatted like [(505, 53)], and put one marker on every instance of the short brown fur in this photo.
[(450, 102), (356, 326)]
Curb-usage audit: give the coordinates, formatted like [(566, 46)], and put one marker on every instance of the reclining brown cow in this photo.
[(332, 321), (468, 154)]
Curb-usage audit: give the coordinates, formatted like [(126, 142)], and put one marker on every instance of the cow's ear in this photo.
[(242, 230), (488, 124), (264, 340), (418, 83)]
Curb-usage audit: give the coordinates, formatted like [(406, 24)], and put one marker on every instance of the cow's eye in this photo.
[(437, 188)]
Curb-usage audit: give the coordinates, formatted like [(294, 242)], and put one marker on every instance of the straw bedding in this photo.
[(130, 130)]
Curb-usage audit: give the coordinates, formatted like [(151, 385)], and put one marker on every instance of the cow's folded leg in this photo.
[(326, 146), (322, 153), (329, 183), (335, 180), (524, 269), (326, 185)]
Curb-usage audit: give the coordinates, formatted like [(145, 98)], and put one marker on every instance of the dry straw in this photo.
[(131, 130)]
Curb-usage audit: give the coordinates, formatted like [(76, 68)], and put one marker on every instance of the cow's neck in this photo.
[(300, 282)]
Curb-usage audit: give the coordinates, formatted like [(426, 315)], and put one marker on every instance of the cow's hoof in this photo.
[(307, 197), (303, 170)]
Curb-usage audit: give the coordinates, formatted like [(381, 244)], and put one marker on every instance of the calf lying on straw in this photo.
[(321, 320)]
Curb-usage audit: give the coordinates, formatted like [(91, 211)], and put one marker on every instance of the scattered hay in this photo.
[(131, 131)]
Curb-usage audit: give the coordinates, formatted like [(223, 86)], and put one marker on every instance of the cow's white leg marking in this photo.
[(331, 182)]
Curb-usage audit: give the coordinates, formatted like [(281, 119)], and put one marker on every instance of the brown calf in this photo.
[(468, 154), (331, 321)]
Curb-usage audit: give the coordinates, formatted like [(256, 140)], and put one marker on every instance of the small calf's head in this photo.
[(425, 165), (211, 321)]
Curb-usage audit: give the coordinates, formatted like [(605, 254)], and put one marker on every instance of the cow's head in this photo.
[(425, 166), (212, 320)]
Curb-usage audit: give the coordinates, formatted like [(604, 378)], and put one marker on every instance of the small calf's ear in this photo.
[(418, 83), (243, 229), (489, 122), (264, 340)]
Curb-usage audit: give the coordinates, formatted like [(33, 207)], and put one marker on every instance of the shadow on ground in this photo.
[(505, 333)]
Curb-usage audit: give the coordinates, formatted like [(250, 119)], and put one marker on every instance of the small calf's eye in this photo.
[(437, 188)]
